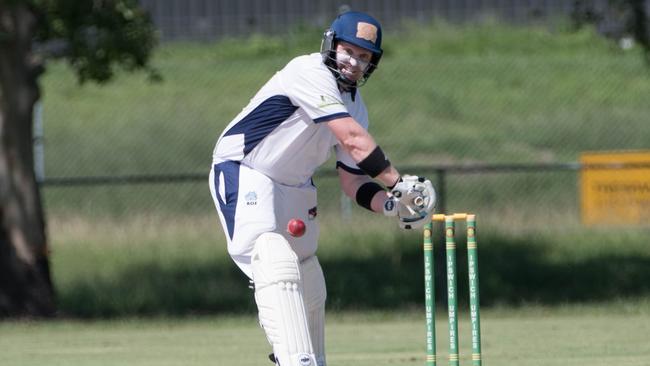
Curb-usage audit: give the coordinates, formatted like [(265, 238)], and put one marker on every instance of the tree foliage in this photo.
[(96, 35), (617, 19)]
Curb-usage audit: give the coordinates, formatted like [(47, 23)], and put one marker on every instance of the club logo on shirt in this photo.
[(251, 198), (328, 101)]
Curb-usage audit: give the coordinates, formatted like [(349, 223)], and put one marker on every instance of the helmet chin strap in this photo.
[(344, 83)]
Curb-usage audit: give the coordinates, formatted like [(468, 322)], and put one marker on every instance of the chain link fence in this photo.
[(135, 156), (496, 112), (208, 19), (212, 19)]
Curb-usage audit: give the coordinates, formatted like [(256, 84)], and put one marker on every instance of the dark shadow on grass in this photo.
[(149, 289), (512, 272)]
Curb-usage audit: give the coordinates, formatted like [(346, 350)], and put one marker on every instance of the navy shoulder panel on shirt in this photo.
[(262, 120)]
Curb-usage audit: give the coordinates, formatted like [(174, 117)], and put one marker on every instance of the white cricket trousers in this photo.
[(249, 204)]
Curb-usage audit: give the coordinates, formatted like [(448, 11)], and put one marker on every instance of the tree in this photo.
[(617, 18), (95, 37)]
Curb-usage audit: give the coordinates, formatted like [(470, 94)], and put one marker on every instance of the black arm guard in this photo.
[(366, 192), (374, 163)]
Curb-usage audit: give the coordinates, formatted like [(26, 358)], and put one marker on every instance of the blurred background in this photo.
[(502, 104)]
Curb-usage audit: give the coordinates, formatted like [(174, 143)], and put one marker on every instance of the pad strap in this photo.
[(374, 163), (349, 169), (366, 192), (399, 179)]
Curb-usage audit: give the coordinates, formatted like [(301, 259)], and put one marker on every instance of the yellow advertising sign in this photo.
[(614, 196)]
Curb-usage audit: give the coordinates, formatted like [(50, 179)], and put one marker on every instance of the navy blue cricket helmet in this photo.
[(359, 29)]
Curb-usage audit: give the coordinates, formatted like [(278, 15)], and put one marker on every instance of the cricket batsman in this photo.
[(261, 178)]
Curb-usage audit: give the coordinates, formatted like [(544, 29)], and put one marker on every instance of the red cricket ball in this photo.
[(296, 227)]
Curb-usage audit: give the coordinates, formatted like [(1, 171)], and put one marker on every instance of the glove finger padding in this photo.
[(416, 200)]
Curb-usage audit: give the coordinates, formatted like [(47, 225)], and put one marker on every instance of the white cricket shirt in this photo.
[(281, 133)]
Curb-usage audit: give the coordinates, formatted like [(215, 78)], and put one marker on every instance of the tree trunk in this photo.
[(25, 284)]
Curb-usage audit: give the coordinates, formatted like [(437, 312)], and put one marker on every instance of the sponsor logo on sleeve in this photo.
[(328, 101)]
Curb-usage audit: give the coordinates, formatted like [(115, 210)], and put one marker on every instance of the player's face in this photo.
[(352, 60)]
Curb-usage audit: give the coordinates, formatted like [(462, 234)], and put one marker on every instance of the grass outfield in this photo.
[(615, 334), (442, 94), (178, 266)]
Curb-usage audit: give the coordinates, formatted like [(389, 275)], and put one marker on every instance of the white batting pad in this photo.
[(279, 297), (314, 297)]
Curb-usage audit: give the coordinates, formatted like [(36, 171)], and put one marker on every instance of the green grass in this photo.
[(572, 335), (442, 94), (166, 265)]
